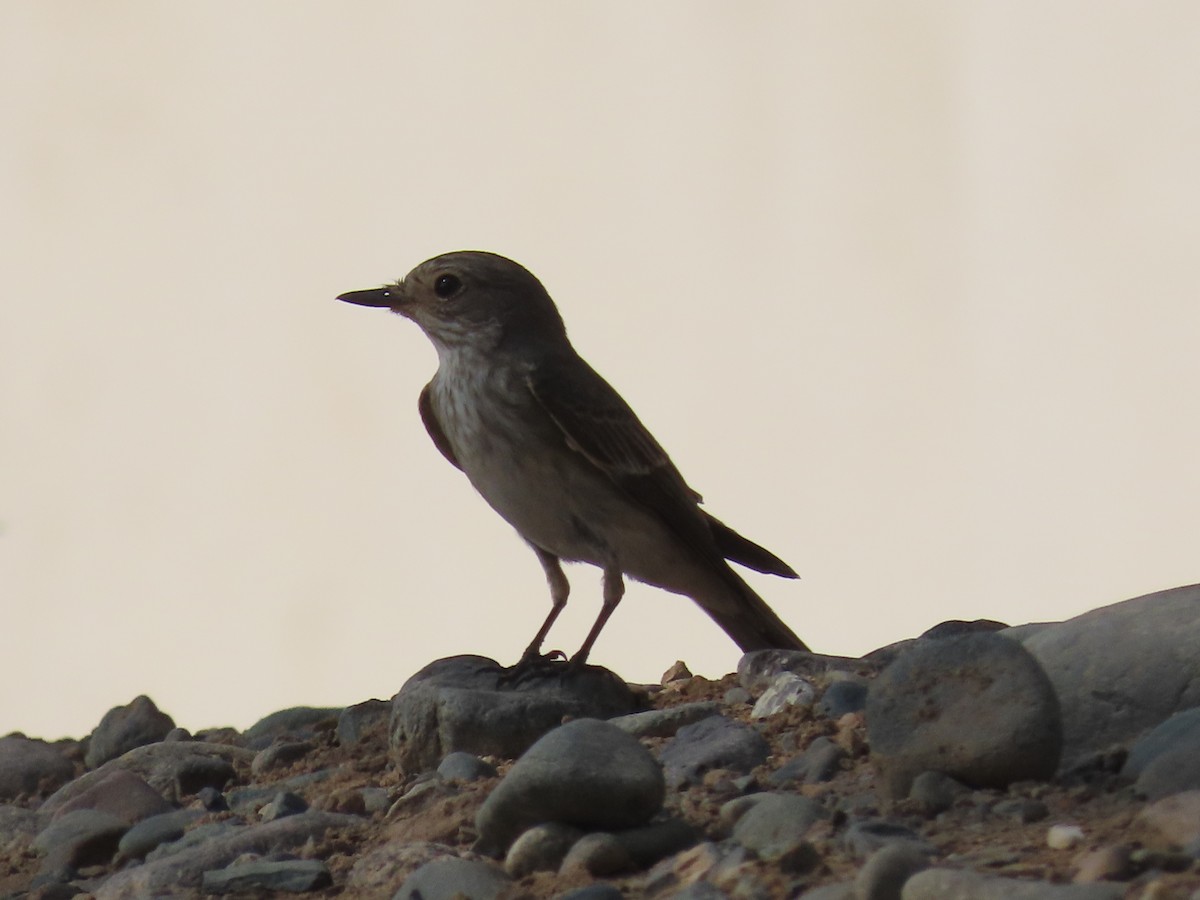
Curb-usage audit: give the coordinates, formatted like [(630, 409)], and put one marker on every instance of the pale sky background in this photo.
[(908, 290)]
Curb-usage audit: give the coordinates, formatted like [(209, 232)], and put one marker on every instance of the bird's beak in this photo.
[(387, 297)]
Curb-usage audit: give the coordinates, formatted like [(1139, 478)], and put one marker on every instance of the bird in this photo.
[(557, 452)]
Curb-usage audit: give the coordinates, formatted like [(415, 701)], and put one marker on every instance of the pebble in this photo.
[(865, 837), (1173, 821), (934, 792), (887, 869), (712, 743), (977, 707), (123, 794), (462, 766), (1064, 837), (773, 827), (1111, 863), (292, 876), (284, 803), (29, 765), (474, 704), (786, 690), (125, 727), (598, 854), (298, 723), (541, 848), (280, 755), (665, 722), (153, 831), (819, 763), (586, 773), (843, 696), (958, 884), (196, 774), (82, 837), (449, 877)]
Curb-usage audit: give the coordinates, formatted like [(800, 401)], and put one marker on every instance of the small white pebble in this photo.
[(1063, 837)]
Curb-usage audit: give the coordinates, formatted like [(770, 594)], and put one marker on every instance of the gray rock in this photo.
[(460, 766), (126, 727), (978, 708), (284, 803), (863, 838), (665, 722), (474, 704), (291, 876), (758, 668), (706, 890), (149, 833), (586, 773), (598, 891), (712, 743), (195, 837), (841, 697), (819, 762), (935, 792), (774, 826), (1022, 809), (296, 724), (160, 764), (194, 774), (356, 721), (955, 884), (1173, 821), (1167, 760), (28, 766), (280, 754), (16, 823), (842, 890), (122, 793), (381, 872), (883, 875), (1123, 668), (185, 867), (787, 689), (598, 854), (449, 878), (957, 627), (541, 848), (650, 843), (81, 838)]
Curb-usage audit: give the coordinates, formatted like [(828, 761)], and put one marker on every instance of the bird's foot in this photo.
[(533, 663)]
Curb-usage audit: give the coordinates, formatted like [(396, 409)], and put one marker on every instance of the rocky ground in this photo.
[(1049, 761)]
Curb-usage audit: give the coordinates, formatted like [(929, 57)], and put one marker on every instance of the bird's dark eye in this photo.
[(447, 286)]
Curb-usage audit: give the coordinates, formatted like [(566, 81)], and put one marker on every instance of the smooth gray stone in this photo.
[(450, 877), (80, 838), (356, 721), (819, 762), (284, 803), (541, 848), (279, 755), (586, 773), (1122, 669), (883, 875), (296, 723), (977, 707), (150, 833), (957, 884), (474, 704), (460, 766), (598, 891), (599, 854), (125, 727), (842, 697), (843, 890), (185, 867), (712, 743), (774, 826), (665, 722), (864, 838), (293, 876), (935, 792), (27, 764), (1167, 760)]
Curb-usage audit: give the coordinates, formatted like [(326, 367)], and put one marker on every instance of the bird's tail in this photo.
[(746, 618)]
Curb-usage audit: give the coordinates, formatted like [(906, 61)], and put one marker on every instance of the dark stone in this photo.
[(81, 838), (665, 722), (449, 877), (279, 755), (291, 876), (712, 743), (460, 766), (29, 766), (121, 793), (125, 727), (356, 721), (299, 723), (1167, 760), (820, 762), (153, 831), (842, 697)]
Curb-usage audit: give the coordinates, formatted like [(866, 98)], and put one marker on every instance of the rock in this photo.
[(1022, 809), (473, 704), (1111, 863), (1167, 760), (786, 689), (820, 762), (123, 794), (81, 838), (460, 766), (598, 854), (846, 695), (586, 773), (712, 743), (280, 754), (541, 848), (883, 875), (774, 826), (865, 837), (955, 627), (298, 723), (126, 727), (1173, 821), (955, 884), (707, 862), (678, 672), (284, 803), (598, 891), (356, 721), (160, 765), (665, 722), (153, 831), (648, 844), (1123, 668), (291, 876), (381, 872), (195, 774), (1064, 837), (185, 867), (758, 668), (449, 877), (932, 793), (978, 708), (30, 766), (842, 890)]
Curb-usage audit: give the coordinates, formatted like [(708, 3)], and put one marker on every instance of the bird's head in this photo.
[(471, 298)]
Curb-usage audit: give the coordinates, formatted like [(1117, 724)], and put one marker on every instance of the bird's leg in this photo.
[(614, 590), (560, 588)]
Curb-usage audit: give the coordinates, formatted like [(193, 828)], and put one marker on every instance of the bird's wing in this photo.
[(434, 427), (601, 426)]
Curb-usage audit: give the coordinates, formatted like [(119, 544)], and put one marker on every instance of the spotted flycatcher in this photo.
[(557, 452)]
